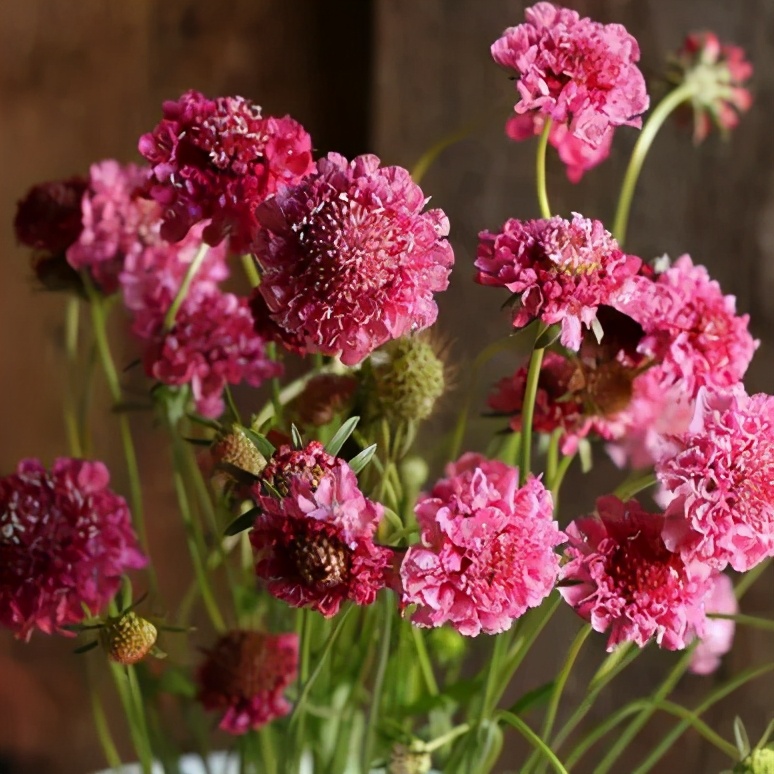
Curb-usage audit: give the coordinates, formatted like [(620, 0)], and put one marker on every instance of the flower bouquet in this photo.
[(345, 569)]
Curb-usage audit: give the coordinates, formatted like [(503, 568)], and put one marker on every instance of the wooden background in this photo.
[(80, 81)]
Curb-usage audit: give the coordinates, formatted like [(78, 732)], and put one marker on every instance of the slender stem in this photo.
[(251, 270), (628, 489), (71, 348), (656, 119), (100, 723), (533, 739), (185, 286), (276, 389), (542, 191), (376, 695), (556, 694), (137, 727), (555, 484), (528, 410), (193, 534), (425, 665), (97, 305)]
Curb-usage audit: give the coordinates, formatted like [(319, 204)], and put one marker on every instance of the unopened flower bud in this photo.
[(237, 450), (757, 762), (409, 760), (128, 638)]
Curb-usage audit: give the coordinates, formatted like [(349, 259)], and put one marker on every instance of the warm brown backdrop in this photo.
[(81, 80)]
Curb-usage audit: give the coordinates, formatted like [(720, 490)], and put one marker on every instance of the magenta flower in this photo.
[(218, 159), (718, 72), (245, 675), (315, 546), (212, 344), (721, 479), (575, 71), (65, 541), (487, 549), (49, 216), (620, 576), (287, 464), (349, 260), (718, 634), (561, 270)]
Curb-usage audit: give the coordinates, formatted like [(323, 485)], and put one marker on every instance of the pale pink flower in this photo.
[(211, 344), (117, 222), (315, 546), (349, 260), (217, 160), (621, 576), (561, 271), (487, 549), (721, 479), (718, 72), (574, 70), (65, 541), (718, 634), (245, 676)]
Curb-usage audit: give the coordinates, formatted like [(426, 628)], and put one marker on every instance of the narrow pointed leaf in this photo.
[(87, 647), (298, 441), (334, 445), (243, 522), (359, 461), (261, 442)]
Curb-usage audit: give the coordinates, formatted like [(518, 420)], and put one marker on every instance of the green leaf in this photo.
[(534, 698), (548, 336), (198, 441), (261, 442), (359, 461), (87, 647), (742, 740), (176, 682), (243, 522), (333, 446), (298, 441)]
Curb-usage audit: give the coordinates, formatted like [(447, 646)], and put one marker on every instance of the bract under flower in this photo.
[(487, 549), (349, 260)]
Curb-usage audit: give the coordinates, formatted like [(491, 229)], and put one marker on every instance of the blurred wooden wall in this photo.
[(80, 81)]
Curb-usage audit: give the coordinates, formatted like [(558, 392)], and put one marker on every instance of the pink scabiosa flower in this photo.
[(561, 270), (315, 546), (287, 464), (65, 541), (211, 344), (718, 73), (487, 549), (245, 675), (349, 260), (117, 222), (621, 576), (574, 71), (218, 159), (718, 634), (721, 480)]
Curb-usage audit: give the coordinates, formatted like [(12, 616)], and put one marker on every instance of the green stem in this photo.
[(103, 729), (629, 489), (194, 537), (542, 190), (528, 410), (376, 695), (753, 621), (251, 270), (425, 665), (98, 319), (556, 693), (276, 390), (555, 484), (72, 315), (539, 745), (185, 286), (134, 716), (656, 119)]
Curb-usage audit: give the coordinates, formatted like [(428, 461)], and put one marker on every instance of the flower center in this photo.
[(321, 560)]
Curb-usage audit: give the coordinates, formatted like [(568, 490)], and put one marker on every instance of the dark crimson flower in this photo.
[(65, 541), (218, 159), (245, 675)]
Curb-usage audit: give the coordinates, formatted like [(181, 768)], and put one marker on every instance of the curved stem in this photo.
[(527, 412), (540, 170), (539, 745), (628, 489), (656, 119), (251, 270), (101, 725), (185, 286), (72, 315), (425, 664)]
